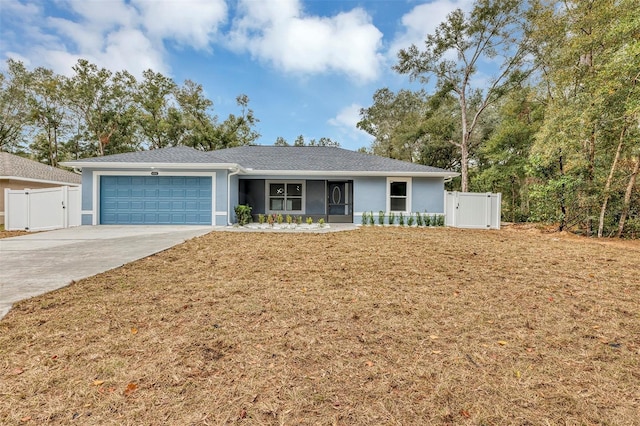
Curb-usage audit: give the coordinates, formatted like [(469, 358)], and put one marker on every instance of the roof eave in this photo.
[(48, 181), (122, 165), (444, 174)]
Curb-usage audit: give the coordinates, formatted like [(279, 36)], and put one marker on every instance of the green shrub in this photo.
[(299, 220), (392, 218), (427, 220), (372, 220), (260, 218), (440, 220), (309, 220), (321, 222), (365, 220), (243, 214), (289, 219), (410, 220), (380, 217), (418, 219), (279, 219), (401, 219)]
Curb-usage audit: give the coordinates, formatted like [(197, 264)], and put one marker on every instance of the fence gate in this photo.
[(42, 209), (473, 210)]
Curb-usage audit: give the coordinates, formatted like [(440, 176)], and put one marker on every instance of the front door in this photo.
[(340, 201)]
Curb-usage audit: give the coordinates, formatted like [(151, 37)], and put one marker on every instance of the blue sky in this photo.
[(308, 66)]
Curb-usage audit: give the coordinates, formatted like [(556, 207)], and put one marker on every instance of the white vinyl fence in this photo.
[(473, 210), (42, 209)]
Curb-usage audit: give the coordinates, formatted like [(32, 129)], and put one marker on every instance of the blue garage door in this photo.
[(138, 200)]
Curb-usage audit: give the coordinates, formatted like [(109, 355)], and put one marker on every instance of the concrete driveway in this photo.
[(34, 264)]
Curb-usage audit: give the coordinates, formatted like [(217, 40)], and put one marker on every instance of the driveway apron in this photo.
[(35, 264)]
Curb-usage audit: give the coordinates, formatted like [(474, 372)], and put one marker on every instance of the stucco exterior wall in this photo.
[(371, 193)]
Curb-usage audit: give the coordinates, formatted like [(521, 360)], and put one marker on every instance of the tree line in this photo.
[(538, 100), (98, 112)]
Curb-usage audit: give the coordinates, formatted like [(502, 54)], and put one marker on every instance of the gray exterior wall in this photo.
[(427, 195), (369, 193)]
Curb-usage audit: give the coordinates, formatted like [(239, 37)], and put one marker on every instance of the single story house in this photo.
[(181, 185), (21, 173)]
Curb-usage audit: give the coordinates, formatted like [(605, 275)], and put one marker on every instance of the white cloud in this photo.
[(103, 15), (423, 20), (279, 33), (114, 34), (193, 23), (346, 121)]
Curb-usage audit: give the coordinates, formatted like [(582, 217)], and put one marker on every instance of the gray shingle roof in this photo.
[(18, 167), (316, 158), (177, 154), (269, 158)]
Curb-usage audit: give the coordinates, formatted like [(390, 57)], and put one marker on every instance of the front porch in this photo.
[(330, 200)]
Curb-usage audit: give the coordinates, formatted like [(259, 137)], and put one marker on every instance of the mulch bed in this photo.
[(374, 326)]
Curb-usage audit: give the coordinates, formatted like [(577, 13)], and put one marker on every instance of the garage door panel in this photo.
[(156, 199)]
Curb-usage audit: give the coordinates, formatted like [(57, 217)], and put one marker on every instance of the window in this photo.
[(285, 196), (398, 191)]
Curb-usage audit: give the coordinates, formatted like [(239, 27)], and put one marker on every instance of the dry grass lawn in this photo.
[(369, 327), (7, 234)]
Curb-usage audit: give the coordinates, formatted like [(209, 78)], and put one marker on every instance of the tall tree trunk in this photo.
[(563, 203), (513, 199), (607, 185), (627, 196), (591, 152), (464, 150)]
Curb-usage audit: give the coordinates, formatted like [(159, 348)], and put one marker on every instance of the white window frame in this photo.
[(267, 196), (391, 180)]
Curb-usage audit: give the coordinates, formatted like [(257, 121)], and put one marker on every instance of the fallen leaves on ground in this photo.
[(375, 326)]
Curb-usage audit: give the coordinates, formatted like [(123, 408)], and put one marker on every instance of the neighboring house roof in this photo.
[(267, 160), (20, 168)]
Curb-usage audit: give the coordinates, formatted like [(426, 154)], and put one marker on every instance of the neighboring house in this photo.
[(21, 173), (184, 185)]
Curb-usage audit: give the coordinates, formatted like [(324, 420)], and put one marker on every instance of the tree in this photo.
[(503, 159), (14, 108), (323, 141), (103, 102), (48, 113), (154, 96), (392, 120), (491, 33), (239, 130), (280, 141), (588, 52)]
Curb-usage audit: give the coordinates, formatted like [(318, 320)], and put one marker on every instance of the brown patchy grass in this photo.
[(375, 326), (7, 234)]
